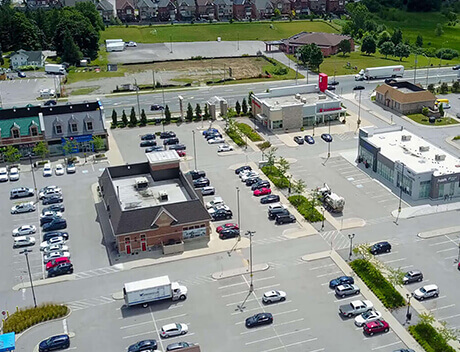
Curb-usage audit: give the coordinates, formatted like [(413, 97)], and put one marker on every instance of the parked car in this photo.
[(330, 87), (284, 218), (260, 184), (60, 269), (252, 180), (298, 139), (274, 296), (262, 191), (173, 330), (390, 80), (224, 148), (47, 236), (208, 191), (456, 67), (427, 291), (58, 342), (271, 198), (24, 230), (148, 143), (70, 168), (209, 131), (259, 319), (156, 107), (56, 224), (341, 281), (21, 74), (359, 88), (248, 175), (148, 137), (212, 136), (178, 346), (273, 213), (58, 240), (131, 44), (309, 139), (380, 247), (55, 248), (157, 148), (229, 233), (59, 170), (23, 208), (3, 174), (50, 103), (355, 308), (181, 153), (376, 326), (49, 191), (326, 137), (216, 140), (218, 207), (242, 168), (14, 174), (334, 83), (47, 170), (144, 345), (201, 182), (412, 276), (23, 241), (227, 226), (21, 192), (49, 216), (215, 202), (53, 200), (54, 207), (53, 255), (177, 147), (367, 317), (55, 262), (171, 141), (347, 290), (167, 134), (222, 214)]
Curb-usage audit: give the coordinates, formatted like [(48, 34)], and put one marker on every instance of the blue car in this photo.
[(56, 224), (58, 342), (326, 137), (309, 139), (341, 280), (210, 131)]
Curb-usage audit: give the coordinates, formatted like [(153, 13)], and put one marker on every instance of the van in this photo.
[(21, 192), (284, 218)]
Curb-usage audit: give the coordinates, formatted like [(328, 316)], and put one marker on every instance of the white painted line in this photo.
[(234, 294), (265, 287), (444, 307), (64, 326), (395, 260), (140, 334), (452, 257), (446, 250), (174, 316), (323, 266), (276, 336), (134, 325), (347, 298), (271, 326), (405, 267), (375, 336), (437, 244), (450, 317), (384, 254), (335, 272), (242, 283), (235, 303), (390, 344), (293, 344), (258, 308)]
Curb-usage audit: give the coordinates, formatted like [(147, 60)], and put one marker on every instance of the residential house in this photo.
[(284, 7), (186, 10), (43, 4), (205, 9), (301, 7), (105, 9), (147, 9), (263, 9), (318, 6), (244, 9), (223, 9), (27, 58), (126, 10), (327, 42), (167, 10), (335, 6)]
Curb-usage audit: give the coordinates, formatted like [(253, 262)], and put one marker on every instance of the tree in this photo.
[(69, 146), (441, 110), (12, 154), (387, 48), (298, 187), (419, 41), (70, 51), (88, 9), (98, 143), (369, 45), (311, 55), (132, 117), (244, 106), (41, 149), (124, 118), (402, 50), (438, 31), (383, 37), (167, 114), (455, 87), (277, 13), (397, 36), (238, 108), (143, 118), (250, 100), (423, 5), (114, 118), (431, 88), (271, 156), (444, 88), (198, 110), (345, 46), (283, 165), (189, 115), (1, 55)]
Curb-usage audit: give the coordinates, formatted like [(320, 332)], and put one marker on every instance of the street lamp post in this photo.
[(33, 177), (322, 223), (458, 256), (408, 313), (251, 285), (400, 193), (26, 253), (194, 149), (351, 245), (137, 97), (238, 206), (359, 112), (428, 68)]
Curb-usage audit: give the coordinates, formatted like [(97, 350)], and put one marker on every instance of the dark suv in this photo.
[(381, 247), (272, 213), (61, 269), (222, 214), (58, 342), (56, 224), (196, 174), (171, 141), (284, 218), (260, 184), (167, 134), (412, 276)]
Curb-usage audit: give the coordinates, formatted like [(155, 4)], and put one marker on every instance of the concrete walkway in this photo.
[(439, 232), (426, 209)]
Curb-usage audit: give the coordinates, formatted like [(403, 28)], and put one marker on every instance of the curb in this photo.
[(43, 282), (18, 336), (439, 232), (237, 272)]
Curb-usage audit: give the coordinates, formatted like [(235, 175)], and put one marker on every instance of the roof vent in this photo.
[(406, 137), (304, 100), (163, 196), (141, 183), (297, 96), (440, 157), (424, 148)]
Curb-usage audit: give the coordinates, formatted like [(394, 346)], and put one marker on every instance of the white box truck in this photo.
[(152, 290), (55, 69), (380, 72)]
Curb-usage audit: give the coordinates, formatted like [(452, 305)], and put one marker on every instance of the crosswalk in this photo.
[(89, 302), (96, 272), (346, 136), (335, 238), (380, 220), (270, 240), (197, 280)]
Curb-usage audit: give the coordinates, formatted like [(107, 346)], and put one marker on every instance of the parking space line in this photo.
[(367, 337), (394, 261), (406, 267), (444, 307), (390, 253), (271, 326), (446, 250), (293, 344), (323, 266), (173, 317), (258, 308), (347, 298), (243, 283), (235, 303), (140, 334), (335, 272), (277, 336), (133, 325), (234, 294), (390, 344), (450, 317), (265, 287), (438, 243)]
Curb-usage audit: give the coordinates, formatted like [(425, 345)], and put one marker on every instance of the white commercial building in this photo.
[(417, 167)]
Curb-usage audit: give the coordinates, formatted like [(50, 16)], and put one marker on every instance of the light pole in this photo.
[(351, 245), (251, 285), (322, 222), (26, 253), (442, 52), (458, 257), (33, 177), (358, 122), (238, 206), (408, 313), (194, 148), (137, 97), (400, 193), (428, 68)]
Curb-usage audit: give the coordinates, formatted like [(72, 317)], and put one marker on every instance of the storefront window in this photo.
[(384, 171), (308, 121), (277, 124), (425, 188)]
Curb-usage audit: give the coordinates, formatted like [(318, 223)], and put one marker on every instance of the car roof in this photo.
[(169, 326), (430, 287), (414, 272)]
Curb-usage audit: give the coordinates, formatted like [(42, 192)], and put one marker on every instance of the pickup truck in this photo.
[(355, 308)]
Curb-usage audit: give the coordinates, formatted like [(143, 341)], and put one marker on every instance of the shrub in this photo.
[(429, 338), (456, 138), (425, 111), (25, 318), (306, 208), (446, 53), (377, 283), (278, 179), (248, 131), (236, 138), (280, 71), (266, 145)]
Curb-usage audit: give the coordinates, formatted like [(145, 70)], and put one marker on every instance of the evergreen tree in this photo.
[(438, 31), (124, 118), (143, 118), (206, 111), (238, 108), (250, 100), (244, 106), (198, 111), (419, 41), (397, 36), (114, 118), (167, 114), (189, 115), (383, 37), (132, 117), (70, 51)]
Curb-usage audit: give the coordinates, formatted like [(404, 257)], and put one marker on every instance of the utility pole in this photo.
[(415, 69), (170, 39), (358, 122), (137, 97), (238, 206), (351, 245), (153, 78), (408, 313), (194, 149), (26, 253), (238, 42), (251, 285), (33, 177)]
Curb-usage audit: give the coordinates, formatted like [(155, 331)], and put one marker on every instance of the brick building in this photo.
[(327, 42)]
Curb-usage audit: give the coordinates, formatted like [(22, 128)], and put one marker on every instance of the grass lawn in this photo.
[(83, 91), (210, 32), (423, 120)]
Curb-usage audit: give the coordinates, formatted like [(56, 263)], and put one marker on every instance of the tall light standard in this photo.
[(400, 193), (428, 68), (351, 245), (251, 285), (442, 52), (26, 253), (194, 148), (358, 122), (33, 177), (408, 313), (322, 222), (137, 97), (458, 256), (238, 206)]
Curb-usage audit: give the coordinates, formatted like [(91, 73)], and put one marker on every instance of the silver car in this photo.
[(23, 208), (427, 291), (53, 255), (274, 296), (23, 241), (347, 290)]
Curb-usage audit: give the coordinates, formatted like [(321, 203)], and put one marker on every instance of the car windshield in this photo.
[(367, 315), (423, 290), (178, 326)]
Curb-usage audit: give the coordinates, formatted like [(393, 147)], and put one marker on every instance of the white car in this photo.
[(131, 44), (47, 170), (23, 208), (51, 242), (244, 172), (367, 317), (24, 230), (249, 175), (14, 174), (49, 213), (3, 174), (53, 255), (216, 201), (427, 291), (216, 140), (173, 330), (23, 241), (50, 191), (71, 169), (217, 207), (274, 296), (224, 148), (59, 170), (55, 248)]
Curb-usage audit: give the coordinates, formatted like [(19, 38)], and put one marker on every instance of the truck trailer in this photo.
[(380, 72), (55, 69), (331, 201), (152, 290)]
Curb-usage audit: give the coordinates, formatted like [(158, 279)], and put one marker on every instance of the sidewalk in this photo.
[(439, 232), (426, 209), (113, 154)]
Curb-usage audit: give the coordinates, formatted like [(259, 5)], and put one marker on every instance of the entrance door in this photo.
[(143, 243), (127, 246)]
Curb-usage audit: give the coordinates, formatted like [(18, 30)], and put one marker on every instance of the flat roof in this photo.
[(408, 152), (160, 157), (131, 198), (291, 99), (147, 283)]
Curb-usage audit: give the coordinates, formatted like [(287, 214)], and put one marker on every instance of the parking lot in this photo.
[(21, 91)]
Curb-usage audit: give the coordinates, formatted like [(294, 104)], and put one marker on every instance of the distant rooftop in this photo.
[(310, 98), (161, 157)]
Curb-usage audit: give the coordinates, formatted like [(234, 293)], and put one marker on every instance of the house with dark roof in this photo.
[(327, 42), (284, 6), (125, 10), (147, 9), (318, 6), (300, 7), (151, 204), (105, 9), (223, 9), (335, 6), (244, 9), (263, 9), (27, 58), (186, 10), (167, 10), (205, 9), (404, 97)]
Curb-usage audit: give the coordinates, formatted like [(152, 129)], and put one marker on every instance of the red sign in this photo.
[(330, 109), (255, 103)]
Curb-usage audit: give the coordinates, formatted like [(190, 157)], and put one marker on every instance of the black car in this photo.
[(273, 213), (148, 137), (50, 102), (412, 276), (309, 139), (260, 184), (171, 141), (456, 67), (333, 83), (21, 74), (167, 134), (58, 342), (61, 269), (242, 168), (359, 88), (54, 207), (156, 107), (222, 214), (49, 235), (196, 174), (259, 319), (48, 218), (229, 233), (178, 346), (53, 199), (341, 280), (157, 148), (148, 144), (381, 247), (330, 87), (201, 182), (284, 219), (252, 180), (144, 345), (326, 137), (177, 147), (271, 198), (212, 136), (56, 224), (298, 140), (390, 80)]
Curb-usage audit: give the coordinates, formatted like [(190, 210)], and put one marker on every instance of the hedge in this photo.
[(377, 283), (278, 179), (236, 138), (429, 338), (25, 318), (248, 131), (305, 208)]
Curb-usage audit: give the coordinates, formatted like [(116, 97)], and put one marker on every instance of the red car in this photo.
[(181, 152), (56, 262), (376, 326), (262, 192), (227, 227)]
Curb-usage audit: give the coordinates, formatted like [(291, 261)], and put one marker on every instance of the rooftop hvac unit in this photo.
[(141, 183), (424, 148), (297, 96), (322, 97), (163, 195), (304, 100), (440, 157), (406, 137)]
